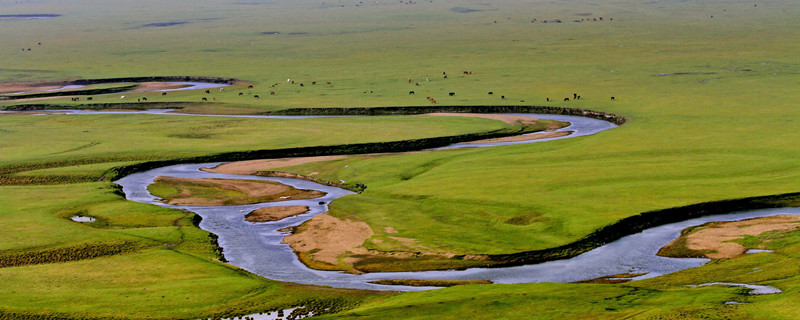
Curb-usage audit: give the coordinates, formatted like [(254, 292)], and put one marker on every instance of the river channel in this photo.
[(257, 247)]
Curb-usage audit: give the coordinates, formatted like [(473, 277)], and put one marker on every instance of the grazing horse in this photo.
[(250, 86), (144, 99), (411, 92), (204, 99), (241, 93), (313, 82), (452, 94), (163, 94)]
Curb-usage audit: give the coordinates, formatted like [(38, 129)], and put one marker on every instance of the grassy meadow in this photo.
[(709, 89)]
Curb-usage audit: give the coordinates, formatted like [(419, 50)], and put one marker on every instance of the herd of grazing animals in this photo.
[(430, 99)]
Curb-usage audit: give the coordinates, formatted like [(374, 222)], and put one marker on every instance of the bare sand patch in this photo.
[(252, 166), (156, 86), (324, 238), (219, 192), (527, 137), (714, 239), (274, 213), (390, 230)]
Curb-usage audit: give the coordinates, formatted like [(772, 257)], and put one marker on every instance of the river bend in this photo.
[(257, 247)]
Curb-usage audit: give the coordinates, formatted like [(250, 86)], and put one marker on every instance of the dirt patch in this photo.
[(390, 230), (715, 239), (253, 166), (324, 238), (527, 137), (274, 213), (221, 192)]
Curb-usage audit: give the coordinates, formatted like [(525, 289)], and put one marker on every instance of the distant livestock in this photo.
[(411, 92), (163, 94), (612, 98), (122, 97), (256, 96), (250, 86), (491, 93), (144, 99), (204, 99), (452, 94), (566, 99), (207, 91), (241, 93)]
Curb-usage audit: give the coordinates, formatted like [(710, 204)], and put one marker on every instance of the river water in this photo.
[(256, 247)]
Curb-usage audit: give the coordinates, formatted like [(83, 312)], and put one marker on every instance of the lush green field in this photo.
[(711, 104), (137, 260)]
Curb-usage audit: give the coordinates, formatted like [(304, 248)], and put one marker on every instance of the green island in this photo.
[(706, 91)]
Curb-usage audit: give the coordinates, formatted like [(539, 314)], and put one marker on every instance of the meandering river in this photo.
[(257, 247)]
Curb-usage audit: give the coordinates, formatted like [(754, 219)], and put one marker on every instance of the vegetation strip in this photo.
[(375, 147), (84, 82), (65, 254), (610, 117), (97, 106), (645, 220)]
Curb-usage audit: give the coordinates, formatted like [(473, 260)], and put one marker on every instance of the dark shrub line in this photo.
[(610, 117), (642, 221), (155, 79), (96, 106), (116, 89), (12, 315), (84, 92), (64, 254), (345, 149)]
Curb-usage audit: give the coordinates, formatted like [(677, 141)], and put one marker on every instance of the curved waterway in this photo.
[(256, 247)]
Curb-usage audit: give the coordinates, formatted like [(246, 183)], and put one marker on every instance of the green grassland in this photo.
[(712, 114)]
